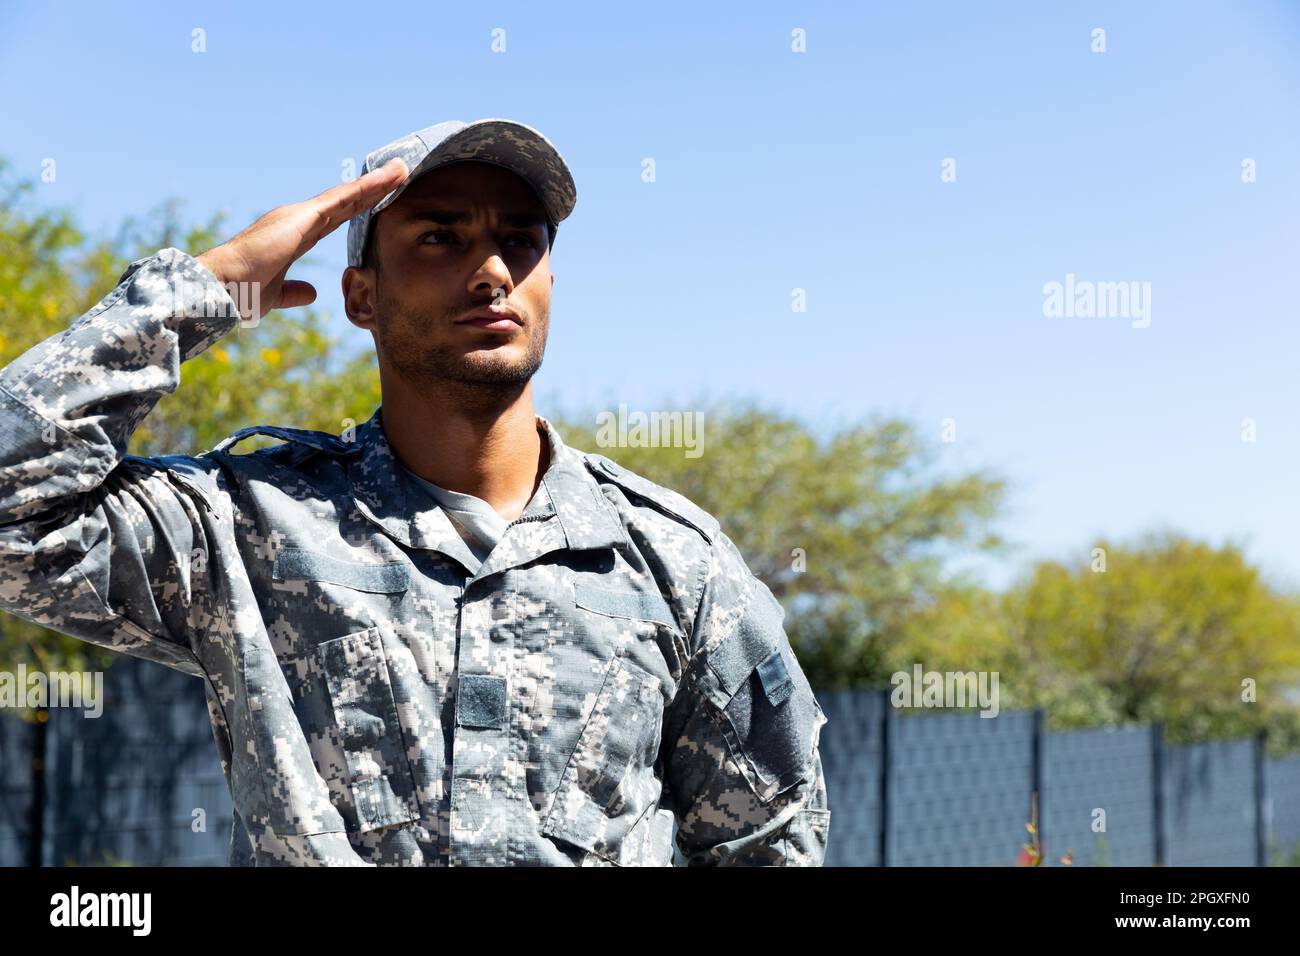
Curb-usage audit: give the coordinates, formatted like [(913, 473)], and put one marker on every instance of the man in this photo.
[(444, 637)]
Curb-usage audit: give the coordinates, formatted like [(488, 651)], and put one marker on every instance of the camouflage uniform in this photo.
[(613, 662)]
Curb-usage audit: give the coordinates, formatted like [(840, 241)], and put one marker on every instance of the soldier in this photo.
[(444, 637)]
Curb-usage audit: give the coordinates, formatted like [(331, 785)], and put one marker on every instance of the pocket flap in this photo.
[(637, 605), (296, 563)]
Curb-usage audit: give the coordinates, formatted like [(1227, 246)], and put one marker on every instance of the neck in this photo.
[(486, 445)]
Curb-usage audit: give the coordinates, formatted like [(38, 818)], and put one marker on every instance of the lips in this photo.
[(497, 320)]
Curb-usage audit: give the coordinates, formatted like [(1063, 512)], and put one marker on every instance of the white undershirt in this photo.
[(475, 519)]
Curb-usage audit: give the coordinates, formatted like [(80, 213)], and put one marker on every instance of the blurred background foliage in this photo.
[(856, 533)]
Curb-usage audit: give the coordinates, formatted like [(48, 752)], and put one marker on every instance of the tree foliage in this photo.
[(1173, 630)]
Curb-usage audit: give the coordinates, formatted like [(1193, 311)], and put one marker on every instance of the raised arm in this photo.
[(101, 545)]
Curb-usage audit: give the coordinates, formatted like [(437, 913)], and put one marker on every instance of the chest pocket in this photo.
[(355, 671), (365, 712), (609, 785)]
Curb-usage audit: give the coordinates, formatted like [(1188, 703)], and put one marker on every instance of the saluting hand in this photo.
[(264, 251)]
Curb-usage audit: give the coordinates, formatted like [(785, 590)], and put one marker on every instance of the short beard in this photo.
[(480, 378)]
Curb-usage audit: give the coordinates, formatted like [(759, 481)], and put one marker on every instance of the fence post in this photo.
[(886, 771), (38, 776), (1036, 780), (1261, 799), (1158, 790)]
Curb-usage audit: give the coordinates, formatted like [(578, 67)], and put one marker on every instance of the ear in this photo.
[(359, 296)]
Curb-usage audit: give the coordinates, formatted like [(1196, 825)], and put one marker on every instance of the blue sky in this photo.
[(778, 170)]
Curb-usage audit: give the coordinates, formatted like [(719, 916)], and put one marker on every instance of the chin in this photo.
[(489, 366)]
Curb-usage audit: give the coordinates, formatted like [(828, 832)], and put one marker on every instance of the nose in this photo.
[(491, 275)]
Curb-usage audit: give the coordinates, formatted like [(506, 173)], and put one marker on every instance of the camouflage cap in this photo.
[(515, 146)]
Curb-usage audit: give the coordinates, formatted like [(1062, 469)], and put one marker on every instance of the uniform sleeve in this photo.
[(744, 772), (94, 543)]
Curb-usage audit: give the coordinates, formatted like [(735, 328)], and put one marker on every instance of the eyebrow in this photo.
[(452, 217)]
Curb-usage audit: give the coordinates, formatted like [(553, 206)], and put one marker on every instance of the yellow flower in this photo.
[(271, 356)]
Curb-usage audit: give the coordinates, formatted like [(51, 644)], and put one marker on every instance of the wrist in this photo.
[(213, 261)]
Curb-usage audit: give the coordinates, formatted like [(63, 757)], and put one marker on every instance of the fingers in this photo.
[(268, 247), (295, 292), (340, 203)]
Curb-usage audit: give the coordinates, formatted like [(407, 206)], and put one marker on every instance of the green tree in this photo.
[(1172, 630)]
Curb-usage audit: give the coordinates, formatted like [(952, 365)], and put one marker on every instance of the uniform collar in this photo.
[(568, 510)]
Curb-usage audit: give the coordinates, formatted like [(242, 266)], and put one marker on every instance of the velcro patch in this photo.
[(777, 683), (481, 701)]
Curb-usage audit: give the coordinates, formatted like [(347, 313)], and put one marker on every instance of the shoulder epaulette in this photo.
[(302, 437), (671, 503)]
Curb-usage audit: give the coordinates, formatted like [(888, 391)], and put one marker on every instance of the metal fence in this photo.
[(955, 789), (141, 785)]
